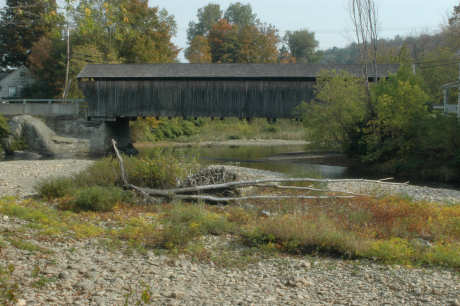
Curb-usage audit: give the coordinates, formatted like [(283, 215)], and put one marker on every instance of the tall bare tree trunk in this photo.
[(364, 18)]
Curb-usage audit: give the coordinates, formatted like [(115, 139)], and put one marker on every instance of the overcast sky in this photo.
[(329, 19)]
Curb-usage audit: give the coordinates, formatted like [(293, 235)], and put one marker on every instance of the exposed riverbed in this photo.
[(19, 177)]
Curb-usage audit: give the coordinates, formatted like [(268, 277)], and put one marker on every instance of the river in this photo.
[(292, 160)]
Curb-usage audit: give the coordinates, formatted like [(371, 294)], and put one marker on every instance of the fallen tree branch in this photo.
[(259, 197), (307, 188), (240, 184), (175, 192)]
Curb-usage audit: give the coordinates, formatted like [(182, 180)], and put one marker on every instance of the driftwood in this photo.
[(306, 188), (189, 193)]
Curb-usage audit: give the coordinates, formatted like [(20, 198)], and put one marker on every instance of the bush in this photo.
[(101, 199), (4, 128), (185, 223), (55, 188), (151, 129), (299, 234), (156, 170)]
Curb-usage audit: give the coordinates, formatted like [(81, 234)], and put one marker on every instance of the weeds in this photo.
[(95, 198), (205, 129), (156, 170), (9, 289)]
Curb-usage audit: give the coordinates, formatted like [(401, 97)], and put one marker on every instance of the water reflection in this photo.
[(290, 160)]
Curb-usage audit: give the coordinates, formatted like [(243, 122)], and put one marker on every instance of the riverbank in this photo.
[(231, 142)]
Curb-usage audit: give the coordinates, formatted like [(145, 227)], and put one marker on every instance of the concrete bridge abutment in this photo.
[(101, 140)]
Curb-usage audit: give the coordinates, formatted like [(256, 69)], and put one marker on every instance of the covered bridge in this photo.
[(203, 90)]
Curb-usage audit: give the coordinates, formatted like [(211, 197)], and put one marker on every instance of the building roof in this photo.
[(221, 70)]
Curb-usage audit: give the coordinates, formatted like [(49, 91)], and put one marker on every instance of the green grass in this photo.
[(205, 129)]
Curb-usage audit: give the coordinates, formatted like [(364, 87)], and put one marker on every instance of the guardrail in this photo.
[(44, 107), (447, 109), (49, 101)]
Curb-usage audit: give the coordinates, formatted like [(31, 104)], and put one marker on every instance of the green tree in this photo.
[(22, 23), (199, 50), (339, 107), (302, 45), (207, 16), (241, 15), (400, 114), (143, 34)]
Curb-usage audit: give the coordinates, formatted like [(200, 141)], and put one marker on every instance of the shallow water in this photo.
[(289, 160)]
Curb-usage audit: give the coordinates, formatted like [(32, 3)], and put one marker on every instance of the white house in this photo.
[(13, 82)]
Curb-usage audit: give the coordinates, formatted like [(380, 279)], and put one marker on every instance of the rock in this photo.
[(63, 275), (84, 285), (421, 243), (305, 264), (298, 282), (21, 302), (456, 302), (5, 218), (176, 295), (39, 138)]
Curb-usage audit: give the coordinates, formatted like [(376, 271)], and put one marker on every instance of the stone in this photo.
[(63, 275), (39, 138), (21, 302), (176, 295), (5, 218), (305, 264)]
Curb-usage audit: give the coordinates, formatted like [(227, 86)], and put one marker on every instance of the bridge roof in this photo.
[(152, 71)]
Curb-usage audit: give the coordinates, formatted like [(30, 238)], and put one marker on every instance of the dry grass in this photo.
[(390, 230)]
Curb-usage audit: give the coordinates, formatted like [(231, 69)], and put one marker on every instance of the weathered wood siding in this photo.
[(273, 98)]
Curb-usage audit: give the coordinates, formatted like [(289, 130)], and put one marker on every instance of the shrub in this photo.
[(155, 171), (4, 128), (185, 223), (95, 198), (9, 289), (55, 187), (299, 234), (151, 129)]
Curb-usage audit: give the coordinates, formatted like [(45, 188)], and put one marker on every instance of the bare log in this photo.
[(307, 188), (214, 199), (240, 184)]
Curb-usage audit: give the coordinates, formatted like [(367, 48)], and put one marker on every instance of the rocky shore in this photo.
[(91, 272), (87, 273)]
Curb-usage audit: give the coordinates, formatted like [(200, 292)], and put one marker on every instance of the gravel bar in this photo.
[(18, 178)]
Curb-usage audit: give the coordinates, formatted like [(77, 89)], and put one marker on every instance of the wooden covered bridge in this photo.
[(119, 93)]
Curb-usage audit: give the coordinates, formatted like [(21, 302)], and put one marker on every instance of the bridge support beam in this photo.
[(101, 141)]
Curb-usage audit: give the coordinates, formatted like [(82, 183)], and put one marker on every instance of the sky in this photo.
[(329, 19)]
